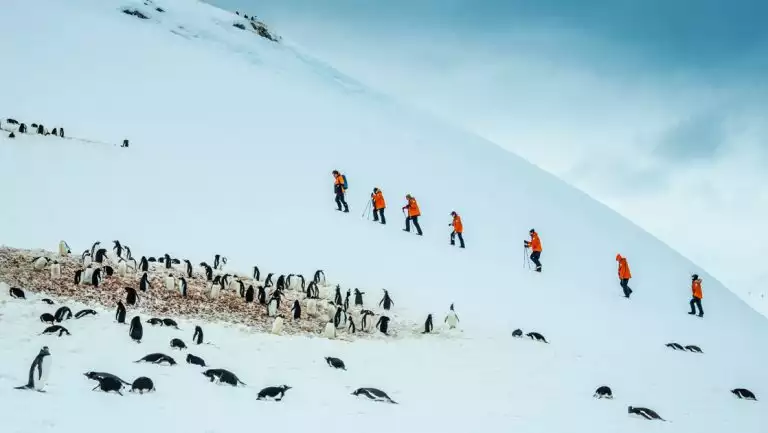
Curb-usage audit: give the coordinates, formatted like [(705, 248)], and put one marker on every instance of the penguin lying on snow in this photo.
[(142, 384), (221, 375), (675, 346), (155, 321), (39, 371), (645, 413), (157, 358), (744, 393), (693, 348), (517, 333), (108, 384), (195, 360), (335, 363), (176, 343), (603, 392), (170, 322), (536, 336), (47, 301), (94, 375), (275, 393), (54, 329), (47, 318), (86, 312), (63, 313), (374, 394), (16, 292)]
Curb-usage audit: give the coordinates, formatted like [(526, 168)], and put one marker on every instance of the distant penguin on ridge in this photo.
[(189, 268), (337, 296), (386, 301), (358, 298), (452, 319)]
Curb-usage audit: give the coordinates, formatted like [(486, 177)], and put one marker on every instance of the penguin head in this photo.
[(356, 392), (451, 307), (285, 387), (45, 351)]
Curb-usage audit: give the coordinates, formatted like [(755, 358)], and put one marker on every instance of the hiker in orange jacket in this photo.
[(377, 198), (338, 189), (458, 229), (696, 300), (624, 274), (413, 214), (535, 245)]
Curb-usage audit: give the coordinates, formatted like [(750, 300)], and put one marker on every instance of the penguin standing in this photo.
[(168, 261), (117, 248), (346, 300), (256, 273), (351, 328), (122, 268), (130, 296), (216, 260), (280, 285), (330, 331), (337, 296), (144, 284), (96, 277), (120, 313), (277, 325), (272, 306), (208, 271), (262, 295), (386, 301), (337, 317), (197, 337), (296, 310), (319, 277), (268, 281), (189, 268), (428, 326), (183, 287), (55, 270), (170, 283), (39, 371), (101, 254), (143, 264), (452, 319), (383, 324), (241, 287), (249, 295), (358, 298), (136, 331), (78, 276), (364, 323)]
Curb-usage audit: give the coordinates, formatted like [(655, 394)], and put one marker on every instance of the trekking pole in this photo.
[(366, 209), (526, 259)]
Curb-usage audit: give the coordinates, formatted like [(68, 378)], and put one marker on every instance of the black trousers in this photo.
[(415, 220), (377, 213), (696, 302), (461, 239), (340, 200), (625, 286), (535, 259)]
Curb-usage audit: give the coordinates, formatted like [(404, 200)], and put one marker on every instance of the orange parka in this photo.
[(458, 227), (624, 273), (535, 242), (339, 182), (413, 207), (378, 200), (696, 289)]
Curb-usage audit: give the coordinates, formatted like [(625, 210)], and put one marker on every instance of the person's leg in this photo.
[(383, 220), (453, 236), (693, 306), (375, 214), (339, 199), (625, 286), (416, 224), (461, 241), (535, 259), (701, 310), (408, 224), (344, 202)]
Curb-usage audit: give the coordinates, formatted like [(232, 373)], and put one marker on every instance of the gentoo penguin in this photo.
[(183, 287), (144, 284), (383, 324), (330, 330), (256, 273), (64, 249), (16, 292), (374, 394), (47, 318), (197, 337), (108, 384), (337, 296), (189, 268), (220, 375), (364, 323), (94, 375), (176, 343), (645, 413), (517, 333), (428, 326), (120, 313), (675, 346), (351, 328), (358, 298), (96, 277), (536, 336), (603, 392), (63, 313), (171, 323), (693, 348), (170, 283), (272, 306), (277, 325), (452, 319), (744, 393), (100, 255), (268, 282), (296, 310), (136, 331), (312, 291), (117, 248), (142, 384), (319, 277), (39, 371), (275, 393), (249, 295), (130, 296), (195, 360), (386, 301), (54, 329), (122, 268), (155, 321), (311, 307), (47, 301), (86, 312), (78, 276), (39, 263), (158, 358), (143, 264), (335, 362), (55, 270)]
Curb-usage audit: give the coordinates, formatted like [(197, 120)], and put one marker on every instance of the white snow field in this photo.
[(233, 139)]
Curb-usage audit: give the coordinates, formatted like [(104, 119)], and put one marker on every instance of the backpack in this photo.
[(346, 185)]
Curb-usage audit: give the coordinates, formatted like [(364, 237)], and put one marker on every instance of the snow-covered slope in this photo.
[(233, 139)]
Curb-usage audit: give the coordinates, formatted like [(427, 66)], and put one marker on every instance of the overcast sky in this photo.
[(657, 108)]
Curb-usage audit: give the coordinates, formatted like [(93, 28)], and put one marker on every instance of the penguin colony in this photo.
[(219, 283)]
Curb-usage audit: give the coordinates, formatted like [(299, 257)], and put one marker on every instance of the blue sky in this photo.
[(658, 108)]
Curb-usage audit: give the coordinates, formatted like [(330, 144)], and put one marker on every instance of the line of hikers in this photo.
[(625, 275)]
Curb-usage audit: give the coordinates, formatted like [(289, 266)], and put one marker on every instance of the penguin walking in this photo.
[(39, 371), (452, 319), (96, 277), (358, 298), (256, 273), (117, 248), (337, 296), (337, 318), (208, 271), (268, 282), (351, 328), (136, 331), (272, 306), (386, 301), (120, 313), (144, 284), (296, 310), (645, 413), (143, 264), (130, 296), (383, 324), (197, 337), (275, 393), (183, 287), (428, 326), (78, 276), (346, 300), (189, 268), (54, 329), (373, 394), (249, 295)]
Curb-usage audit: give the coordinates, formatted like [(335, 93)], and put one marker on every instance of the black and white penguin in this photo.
[(208, 271), (170, 322), (386, 301), (176, 343), (312, 291), (220, 375), (143, 264), (744, 393), (296, 310), (117, 248), (64, 249), (346, 300), (100, 255), (55, 329), (358, 298), (374, 394), (280, 285), (319, 277), (645, 413), (96, 277), (452, 319), (168, 261), (675, 346), (383, 324), (272, 306), (197, 337), (275, 393), (364, 323), (151, 259), (428, 326), (85, 258), (130, 296), (63, 313), (603, 392), (241, 288), (39, 263), (136, 330), (108, 270), (256, 273), (86, 312), (337, 296), (94, 375), (142, 384), (47, 318), (216, 261), (693, 348), (109, 384), (183, 287), (169, 282), (122, 268), (268, 282), (128, 255), (47, 301), (249, 295), (277, 325), (195, 360), (536, 336), (158, 358), (335, 362), (337, 318), (189, 268), (517, 333), (17, 293), (94, 247), (351, 328), (120, 313), (330, 330), (39, 371), (144, 284), (78, 276), (155, 321)]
